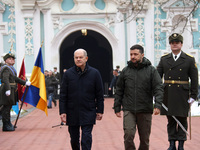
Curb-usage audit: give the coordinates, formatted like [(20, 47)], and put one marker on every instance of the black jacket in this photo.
[(81, 95), (51, 84), (136, 87)]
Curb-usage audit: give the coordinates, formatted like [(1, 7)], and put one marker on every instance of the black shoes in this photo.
[(180, 145), (172, 145), (7, 126)]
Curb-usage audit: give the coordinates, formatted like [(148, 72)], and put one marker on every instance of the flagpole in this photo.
[(42, 44), (11, 47), (21, 107)]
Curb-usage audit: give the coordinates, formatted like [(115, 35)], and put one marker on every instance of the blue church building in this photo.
[(106, 29)]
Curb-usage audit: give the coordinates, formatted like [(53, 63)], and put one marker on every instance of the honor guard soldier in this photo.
[(8, 89), (180, 75)]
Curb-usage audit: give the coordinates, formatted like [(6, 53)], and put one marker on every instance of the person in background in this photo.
[(118, 69), (81, 100), (136, 86), (178, 68), (46, 73), (57, 76), (51, 84), (114, 80), (9, 93)]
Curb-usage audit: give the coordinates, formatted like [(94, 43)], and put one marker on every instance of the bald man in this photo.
[(81, 100)]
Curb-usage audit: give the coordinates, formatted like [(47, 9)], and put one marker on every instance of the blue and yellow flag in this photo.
[(36, 94)]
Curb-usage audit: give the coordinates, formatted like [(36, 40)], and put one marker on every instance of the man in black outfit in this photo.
[(81, 100)]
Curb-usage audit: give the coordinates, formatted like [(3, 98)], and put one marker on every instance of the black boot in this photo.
[(7, 126), (180, 145), (172, 145)]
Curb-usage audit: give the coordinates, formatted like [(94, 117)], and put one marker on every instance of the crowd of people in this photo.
[(140, 90)]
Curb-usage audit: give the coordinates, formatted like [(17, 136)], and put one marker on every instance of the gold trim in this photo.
[(176, 82), (10, 83)]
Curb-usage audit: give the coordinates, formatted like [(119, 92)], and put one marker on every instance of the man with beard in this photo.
[(136, 86)]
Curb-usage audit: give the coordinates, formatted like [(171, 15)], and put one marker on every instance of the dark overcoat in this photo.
[(51, 84), (9, 81), (81, 95), (176, 95)]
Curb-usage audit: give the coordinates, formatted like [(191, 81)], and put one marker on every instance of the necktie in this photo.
[(175, 57)]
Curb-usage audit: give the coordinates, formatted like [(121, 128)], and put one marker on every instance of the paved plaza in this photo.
[(34, 132)]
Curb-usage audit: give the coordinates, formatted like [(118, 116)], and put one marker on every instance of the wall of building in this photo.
[(26, 24)]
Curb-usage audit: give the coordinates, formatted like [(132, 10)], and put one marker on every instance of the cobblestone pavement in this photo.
[(34, 132)]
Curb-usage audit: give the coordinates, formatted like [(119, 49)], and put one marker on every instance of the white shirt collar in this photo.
[(178, 55)]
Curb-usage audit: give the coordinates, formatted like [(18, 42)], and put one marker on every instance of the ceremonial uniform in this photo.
[(9, 82), (176, 83), (180, 78)]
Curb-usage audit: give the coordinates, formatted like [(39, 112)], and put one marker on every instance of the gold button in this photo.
[(169, 77), (170, 69), (180, 69), (178, 85), (169, 84), (179, 77)]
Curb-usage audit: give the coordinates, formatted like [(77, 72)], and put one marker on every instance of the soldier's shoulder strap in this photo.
[(167, 54), (7, 67), (188, 55)]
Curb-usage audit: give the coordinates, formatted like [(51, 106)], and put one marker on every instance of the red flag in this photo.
[(22, 75)]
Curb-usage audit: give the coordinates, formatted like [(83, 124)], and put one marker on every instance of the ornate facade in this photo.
[(24, 24)]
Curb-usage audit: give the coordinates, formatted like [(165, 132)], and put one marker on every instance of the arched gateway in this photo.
[(99, 43)]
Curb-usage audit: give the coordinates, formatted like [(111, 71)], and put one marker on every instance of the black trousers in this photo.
[(6, 113), (174, 130), (86, 137)]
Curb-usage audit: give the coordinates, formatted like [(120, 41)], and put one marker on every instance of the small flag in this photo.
[(22, 75)]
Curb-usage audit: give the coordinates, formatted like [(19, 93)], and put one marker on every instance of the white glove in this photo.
[(190, 100), (8, 93), (28, 83)]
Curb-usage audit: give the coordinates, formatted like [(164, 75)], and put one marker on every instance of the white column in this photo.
[(119, 54), (51, 56), (2, 31), (131, 33), (36, 32), (20, 40), (149, 33)]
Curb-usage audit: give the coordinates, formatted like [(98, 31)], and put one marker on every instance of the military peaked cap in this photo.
[(176, 37), (8, 55)]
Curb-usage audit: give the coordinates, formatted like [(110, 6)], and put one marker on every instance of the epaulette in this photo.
[(165, 54), (189, 55)]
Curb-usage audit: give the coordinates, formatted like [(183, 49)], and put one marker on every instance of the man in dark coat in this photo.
[(51, 84), (113, 82), (57, 76), (178, 68), (81, 100), (136, 86), (9, 93)]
